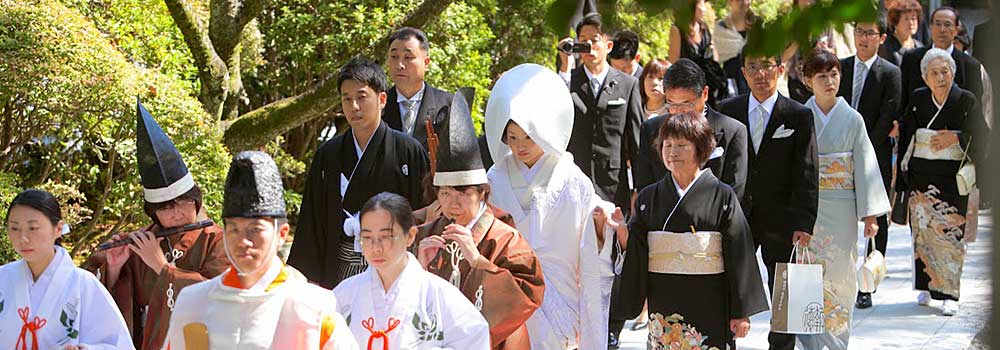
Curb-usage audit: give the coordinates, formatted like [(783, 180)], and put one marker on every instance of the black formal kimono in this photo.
[(692, 295), (434, 105), (937, 209), (968, 73), (391, 162), (605, 133), (728, 161)]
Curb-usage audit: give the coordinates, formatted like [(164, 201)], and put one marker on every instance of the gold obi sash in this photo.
[(836, 171), (685, 253), (922, 147)]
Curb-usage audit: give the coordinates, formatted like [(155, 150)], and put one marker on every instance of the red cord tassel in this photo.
[(33, 326), (369, 324)]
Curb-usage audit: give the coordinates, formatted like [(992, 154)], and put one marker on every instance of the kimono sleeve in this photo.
[(338, 335), (214, 264), (101, 325), (593, 321), (305, 254), (467, 329), (746, 291), (869, 191), (634, 271)]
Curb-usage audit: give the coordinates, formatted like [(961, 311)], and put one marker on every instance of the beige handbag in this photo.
[(872, 271), (966, 176)]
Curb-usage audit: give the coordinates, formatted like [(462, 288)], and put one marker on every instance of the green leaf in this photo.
[(416, 321), (63, 318)]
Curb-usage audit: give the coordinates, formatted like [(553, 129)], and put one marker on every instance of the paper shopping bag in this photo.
[(797, 301)]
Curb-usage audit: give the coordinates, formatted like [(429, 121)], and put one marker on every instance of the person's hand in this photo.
[(740, 327), (463, 237), (565, 58), (600, 219), (802, 238), (117, 256), (147, 246), (72, 347), (617, 223), (428, 249), (871, 227), (895, 129), (943, 139)]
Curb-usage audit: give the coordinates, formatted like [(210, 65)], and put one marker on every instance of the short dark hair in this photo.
[(690, 127), (193, 194), (626, 45), (819, 61), (39, 200), (879, 22), (745, 54), (406, 33), (591, 19), (656, 66), (397, 206), (364, 71), (483, 189), (945, 8), (902, 7), (684, 74)]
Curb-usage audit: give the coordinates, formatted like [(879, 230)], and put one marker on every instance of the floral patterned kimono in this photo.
[(850, 188), (419, 311), (65, 306)]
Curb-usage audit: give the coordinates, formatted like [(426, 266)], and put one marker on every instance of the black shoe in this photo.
[(612, 341), (864, 301), (639, 326)]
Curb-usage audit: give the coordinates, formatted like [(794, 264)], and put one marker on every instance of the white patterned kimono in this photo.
[(281, 311), (65, 306), (419, 311), (850, 188)]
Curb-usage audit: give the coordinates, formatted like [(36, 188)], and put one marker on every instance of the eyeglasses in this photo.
[(866, 33), (754, 67), (177, 203), (680, 106), (384, 241)]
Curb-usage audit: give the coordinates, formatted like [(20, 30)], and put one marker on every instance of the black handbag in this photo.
[(900, 208)]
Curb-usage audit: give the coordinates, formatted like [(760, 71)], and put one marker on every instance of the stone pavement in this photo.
[(896, 321)]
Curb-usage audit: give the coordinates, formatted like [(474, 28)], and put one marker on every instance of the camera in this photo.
[(575, 47)]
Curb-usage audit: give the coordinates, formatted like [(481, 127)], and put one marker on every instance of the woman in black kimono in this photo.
[(690, 250)]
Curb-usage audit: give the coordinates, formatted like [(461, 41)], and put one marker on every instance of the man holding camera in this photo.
[(608, 114)]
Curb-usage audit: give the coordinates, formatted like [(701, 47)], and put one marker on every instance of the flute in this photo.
[(158, 234)]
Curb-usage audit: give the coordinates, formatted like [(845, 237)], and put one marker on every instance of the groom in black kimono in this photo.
[(780, 198), (347, 170)]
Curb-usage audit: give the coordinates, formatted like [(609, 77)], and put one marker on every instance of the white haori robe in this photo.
[(65, 306), (558, 224), (419, 311), (281, 311)]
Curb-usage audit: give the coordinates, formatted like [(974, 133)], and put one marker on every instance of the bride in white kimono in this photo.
[(850, 187), (46, 302), (395, 304), (551, 202)]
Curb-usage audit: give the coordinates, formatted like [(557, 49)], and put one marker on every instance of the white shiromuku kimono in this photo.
[(850, 188), (281, 311), (65, 306), (419, 311), (552, 205), (608, 263)]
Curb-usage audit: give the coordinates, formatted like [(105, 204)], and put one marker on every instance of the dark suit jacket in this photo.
[(730, 168), (878, 106), (783, 179), (968, 73), (434, 104), (605, 133)]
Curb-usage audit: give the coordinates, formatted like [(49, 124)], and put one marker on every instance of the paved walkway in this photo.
[(896, 321)]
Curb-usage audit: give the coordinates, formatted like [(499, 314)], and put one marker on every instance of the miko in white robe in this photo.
[(552, 205), (281, 311), (419, 311), (65, 306), (850, 188)]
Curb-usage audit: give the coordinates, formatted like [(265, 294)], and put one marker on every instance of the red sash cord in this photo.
[(369, 324), (33, 326)]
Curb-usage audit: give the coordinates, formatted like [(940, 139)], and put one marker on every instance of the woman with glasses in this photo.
[(395, 304), (45, 301), (146, 275), (489, 261), (850, 187)]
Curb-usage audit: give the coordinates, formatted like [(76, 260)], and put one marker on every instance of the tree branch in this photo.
[(212, 71), (255, 128)]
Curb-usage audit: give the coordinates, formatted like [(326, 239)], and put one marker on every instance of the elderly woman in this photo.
[(850, 187), (942, 130), (489, 261), (690, 250), (49, 303), (904, 19), (395, 304)]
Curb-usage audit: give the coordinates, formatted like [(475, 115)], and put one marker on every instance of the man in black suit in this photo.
[(412, 101), (871, 85), (605, 134), (968, 70), (686, 91), (624, 55), (780, 198)]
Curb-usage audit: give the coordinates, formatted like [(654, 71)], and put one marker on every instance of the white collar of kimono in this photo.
[(50, 270), (529, 173), (825, 117), (535, 98), (272, 273), (479, 214), (52, 279), (411, 270), (768, 103), (683, 191)]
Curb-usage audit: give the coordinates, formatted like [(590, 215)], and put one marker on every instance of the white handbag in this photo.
[(872, 271), (966, 176)]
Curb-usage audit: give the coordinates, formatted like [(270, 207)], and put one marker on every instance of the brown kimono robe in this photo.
[(507, 286), (140, 289)]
